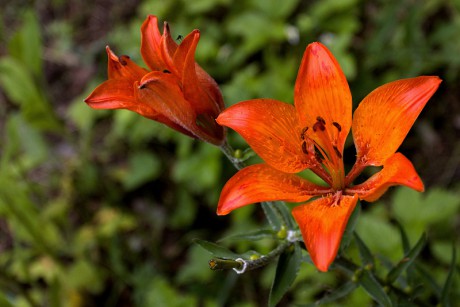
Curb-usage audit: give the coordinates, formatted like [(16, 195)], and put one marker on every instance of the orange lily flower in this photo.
[(311, 135), (176, 91)]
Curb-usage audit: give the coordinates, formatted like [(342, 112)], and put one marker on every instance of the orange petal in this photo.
[(322, 225), (167, 49), (112, 94), (384, 117), (397, 170), (270, 127), (321, 90), (150, 44), (123, 67), (193, 88), (260, 182), (162, 91)]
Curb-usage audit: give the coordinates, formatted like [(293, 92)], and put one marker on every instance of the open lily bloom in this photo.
[(311, 135), (176, 91)]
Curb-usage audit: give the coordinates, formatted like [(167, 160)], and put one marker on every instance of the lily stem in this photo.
[(248, 265)]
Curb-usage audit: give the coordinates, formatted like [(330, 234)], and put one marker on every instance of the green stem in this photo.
[(242, 266)]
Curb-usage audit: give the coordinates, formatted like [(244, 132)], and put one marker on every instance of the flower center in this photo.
[(320, 142)]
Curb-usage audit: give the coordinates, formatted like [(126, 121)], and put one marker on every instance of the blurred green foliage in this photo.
[(99, 208)]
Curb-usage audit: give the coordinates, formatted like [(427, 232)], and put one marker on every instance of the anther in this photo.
[(319, 125), (337, 152), (337, 125), (302, 134), (304, 147), (166, 71), (321, 120), (122, 59)]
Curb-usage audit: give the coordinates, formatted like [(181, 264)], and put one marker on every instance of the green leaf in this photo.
[(4, 301), (374, 288), (429, 280), (272, 215), (338, 293), (216, 250), (404, 238), (19, 86), (407, 260), (26, 44), (286, 273), (348, 234), (364, 252), (449, 281), (286, 215), (143, 167), (251, 235)]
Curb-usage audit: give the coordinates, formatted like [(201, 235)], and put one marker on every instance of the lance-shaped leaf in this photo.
[(428, 279), (364, 252), (216, 250), (407, 260), (273, 216), (338, 293), (445, 300), (348, 234), (255, 235), (286, 273), (374, 289)]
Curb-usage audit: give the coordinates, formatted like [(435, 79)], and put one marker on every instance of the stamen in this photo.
[(302, 134), (166, 71), (337, 125), (318, 155), (304, 147), (337, 152), (319, 125), (321, 120)]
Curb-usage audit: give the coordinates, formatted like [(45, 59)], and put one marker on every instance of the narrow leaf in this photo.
[(340, 292), (286, 273), (374, 289), (272, 215), (404, 238), (449, 281), (348, 234), (286, 215), (429, 280), (364, 252), (216, 250), (407, 260), (251, 235)]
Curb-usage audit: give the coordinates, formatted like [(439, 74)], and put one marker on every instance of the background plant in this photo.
[(100, 208)]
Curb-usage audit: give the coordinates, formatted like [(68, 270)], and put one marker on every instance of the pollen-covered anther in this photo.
[(337, 125), (302, 133)]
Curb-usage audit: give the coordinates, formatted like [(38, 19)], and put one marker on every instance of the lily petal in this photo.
[(150, 44), (120, 94), (162, 91), (123, 67), (269, 127), (260, 182), (397, 170), (383, 119), (322, 91), (112, 94), (184, 61), (322, 224), (167, 49)]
